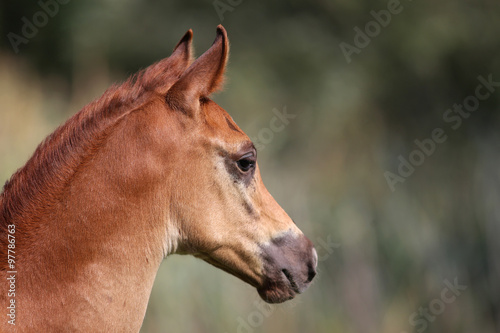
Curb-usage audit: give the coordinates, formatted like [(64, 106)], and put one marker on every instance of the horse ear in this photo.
[(203, 77), (184, 49), (163, 74)]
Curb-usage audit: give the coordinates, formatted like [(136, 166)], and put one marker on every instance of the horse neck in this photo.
[(92, 260)]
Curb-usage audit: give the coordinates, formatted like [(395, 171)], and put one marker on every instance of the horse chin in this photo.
[(276, 295)]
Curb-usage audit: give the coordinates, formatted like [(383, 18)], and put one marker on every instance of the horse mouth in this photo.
[(291, 281), (281, 289)]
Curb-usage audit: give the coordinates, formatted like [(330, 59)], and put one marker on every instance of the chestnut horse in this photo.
[(154, 167)]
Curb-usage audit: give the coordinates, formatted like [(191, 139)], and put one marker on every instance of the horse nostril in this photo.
[(311, 274), (312, 266)]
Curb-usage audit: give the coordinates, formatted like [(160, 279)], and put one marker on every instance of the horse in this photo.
[(152, 168)]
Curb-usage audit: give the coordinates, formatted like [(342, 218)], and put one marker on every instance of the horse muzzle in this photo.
[(289, 263)]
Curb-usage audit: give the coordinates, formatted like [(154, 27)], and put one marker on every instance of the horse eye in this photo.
[(246, 163)]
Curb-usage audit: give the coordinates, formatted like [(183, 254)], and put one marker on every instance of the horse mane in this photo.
[(37, 184)]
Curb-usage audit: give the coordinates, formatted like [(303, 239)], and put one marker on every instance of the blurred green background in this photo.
[(387, 256)]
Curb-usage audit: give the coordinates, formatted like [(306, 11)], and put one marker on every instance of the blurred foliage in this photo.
[(326, 168)]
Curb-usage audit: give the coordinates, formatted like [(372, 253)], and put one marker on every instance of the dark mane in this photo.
[(36, 185)]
